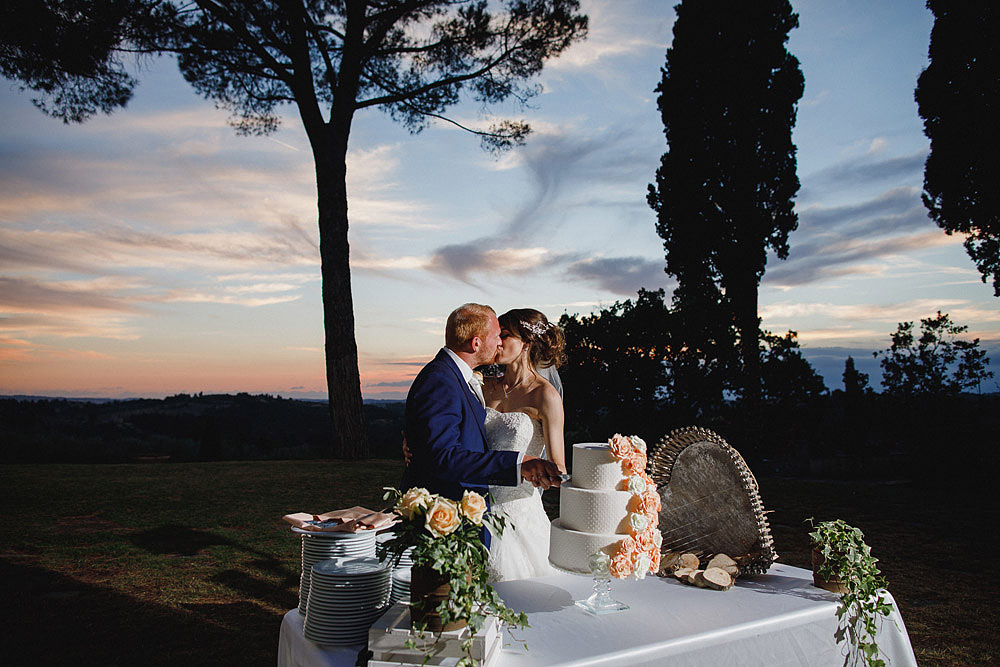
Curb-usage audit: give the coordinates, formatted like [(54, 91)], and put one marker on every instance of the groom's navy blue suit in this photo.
[(445, 433)]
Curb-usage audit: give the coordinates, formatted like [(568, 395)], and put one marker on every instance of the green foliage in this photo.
[(724, 188), (847, 556), (958, 96), (937, 363)]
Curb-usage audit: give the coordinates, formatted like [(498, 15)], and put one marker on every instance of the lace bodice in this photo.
[(513, 431)]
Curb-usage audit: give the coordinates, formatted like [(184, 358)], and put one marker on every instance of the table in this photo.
[(778, 618)]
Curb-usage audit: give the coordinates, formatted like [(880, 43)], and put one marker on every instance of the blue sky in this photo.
[(154, 251)]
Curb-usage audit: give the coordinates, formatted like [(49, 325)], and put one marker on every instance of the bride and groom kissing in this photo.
[(492, 436)]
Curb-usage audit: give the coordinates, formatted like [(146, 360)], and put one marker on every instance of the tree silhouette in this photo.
[(616, 367), (958, 96), (787, 377), (855, 382), (724, 188), (937, 363), (330, 59)]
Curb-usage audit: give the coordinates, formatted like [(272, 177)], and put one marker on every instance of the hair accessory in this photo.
[(537, 329)]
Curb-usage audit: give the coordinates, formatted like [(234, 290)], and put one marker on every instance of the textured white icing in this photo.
[(595, 467), (594, 511), (571, 549)]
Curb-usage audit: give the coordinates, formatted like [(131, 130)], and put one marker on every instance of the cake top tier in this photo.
[(595, 467)]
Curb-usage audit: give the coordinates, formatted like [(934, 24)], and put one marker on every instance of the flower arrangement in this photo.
[(445, 537), (638, 553)]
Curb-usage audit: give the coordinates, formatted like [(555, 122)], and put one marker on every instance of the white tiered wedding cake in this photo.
[(608, 513)]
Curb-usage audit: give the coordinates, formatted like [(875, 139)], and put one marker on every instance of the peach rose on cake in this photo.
[(443, 517), (413, 502), (620, 566), (654, 559), (473, 506), (620, 446), (634, 462), (646, 540), (650, 502)]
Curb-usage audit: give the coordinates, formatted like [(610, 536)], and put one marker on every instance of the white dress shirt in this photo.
[(466, 372)]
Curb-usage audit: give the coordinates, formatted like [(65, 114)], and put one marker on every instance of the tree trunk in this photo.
[(343, 379)]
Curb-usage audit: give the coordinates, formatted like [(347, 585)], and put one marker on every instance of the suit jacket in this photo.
[(445, 433)]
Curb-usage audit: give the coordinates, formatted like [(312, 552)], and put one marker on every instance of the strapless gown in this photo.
[(522, 552)]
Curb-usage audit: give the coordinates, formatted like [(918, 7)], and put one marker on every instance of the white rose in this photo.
[(638, 521), (657, 539), (641, 564), (638, 443), (636, 485)]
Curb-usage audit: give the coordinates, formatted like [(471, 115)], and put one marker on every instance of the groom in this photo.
[(445, 414)]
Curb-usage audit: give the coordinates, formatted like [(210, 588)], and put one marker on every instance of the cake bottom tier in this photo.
[(571, 549)]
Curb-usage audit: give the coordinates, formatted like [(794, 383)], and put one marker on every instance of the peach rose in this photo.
[(620, 445), (650, 502), (413, 502), (620, 566), (443, 517), (654, 559), (473, 506), (628, 545), (645, 539)]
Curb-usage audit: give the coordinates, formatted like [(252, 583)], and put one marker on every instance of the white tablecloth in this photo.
[(778, 618)]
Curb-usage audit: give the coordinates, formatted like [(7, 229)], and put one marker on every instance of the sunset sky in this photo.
[(154, 251)]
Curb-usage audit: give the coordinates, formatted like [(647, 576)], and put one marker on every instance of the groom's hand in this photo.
[(543, 474)]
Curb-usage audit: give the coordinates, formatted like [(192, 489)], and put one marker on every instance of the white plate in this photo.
[(350, 567)]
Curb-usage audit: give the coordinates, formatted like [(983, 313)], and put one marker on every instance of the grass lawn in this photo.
[(191, 564)]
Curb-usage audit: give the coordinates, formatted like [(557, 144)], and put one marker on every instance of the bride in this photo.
[(524, 412)]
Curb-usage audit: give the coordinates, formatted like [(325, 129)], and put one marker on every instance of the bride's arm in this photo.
[(551, 413)]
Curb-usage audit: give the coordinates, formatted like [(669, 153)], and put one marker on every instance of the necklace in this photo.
[(507, 390)]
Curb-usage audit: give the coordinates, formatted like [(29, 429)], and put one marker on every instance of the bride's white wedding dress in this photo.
[(522, 552)]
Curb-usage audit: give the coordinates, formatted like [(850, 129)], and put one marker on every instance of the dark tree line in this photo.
[(630, 370)]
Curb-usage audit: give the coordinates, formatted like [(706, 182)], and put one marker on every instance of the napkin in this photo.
[(352, 519)]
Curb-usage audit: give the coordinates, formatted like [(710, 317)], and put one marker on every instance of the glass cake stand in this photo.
[(600, 601)]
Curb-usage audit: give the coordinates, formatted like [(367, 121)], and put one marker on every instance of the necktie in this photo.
[(477, 388)]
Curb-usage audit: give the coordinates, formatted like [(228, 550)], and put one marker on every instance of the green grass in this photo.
[(161, 564), (191, 564)]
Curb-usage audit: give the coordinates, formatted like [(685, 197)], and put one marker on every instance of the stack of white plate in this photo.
[(318, 546), (346, 596), (400, 586), (406, 559)]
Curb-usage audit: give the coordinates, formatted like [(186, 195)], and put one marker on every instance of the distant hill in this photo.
[(181, 428)]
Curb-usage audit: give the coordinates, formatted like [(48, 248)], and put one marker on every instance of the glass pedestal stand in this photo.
[(600, 601)]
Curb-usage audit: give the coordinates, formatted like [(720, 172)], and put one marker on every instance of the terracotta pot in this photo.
[(430, 588), (834, 584)]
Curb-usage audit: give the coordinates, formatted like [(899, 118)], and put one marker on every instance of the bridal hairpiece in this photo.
[(537, 329)]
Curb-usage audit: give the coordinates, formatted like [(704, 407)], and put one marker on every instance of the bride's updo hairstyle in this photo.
[(547, 342)]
